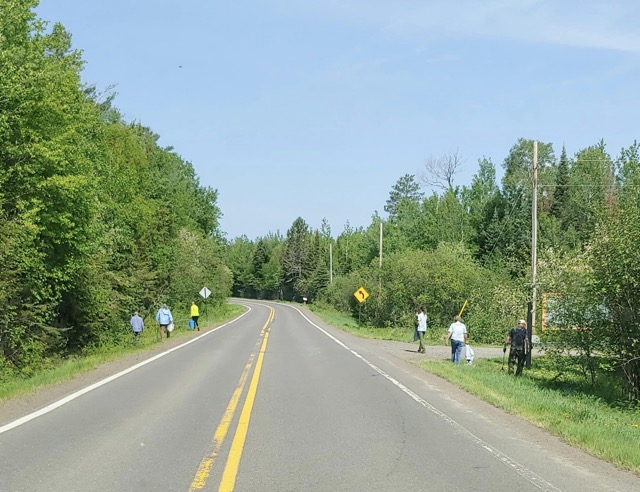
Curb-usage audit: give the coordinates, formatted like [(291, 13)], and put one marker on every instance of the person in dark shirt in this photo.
[(519, 342)]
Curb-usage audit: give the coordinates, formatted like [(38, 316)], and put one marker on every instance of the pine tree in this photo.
[(406, 188), (560, 194)]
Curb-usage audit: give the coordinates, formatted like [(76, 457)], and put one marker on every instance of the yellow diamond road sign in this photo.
[(361, 294)]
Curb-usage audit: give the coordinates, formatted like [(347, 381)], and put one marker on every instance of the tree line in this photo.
[(473, 243), (96, 218)]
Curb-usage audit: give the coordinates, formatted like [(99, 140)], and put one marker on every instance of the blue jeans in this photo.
[(456, 350)]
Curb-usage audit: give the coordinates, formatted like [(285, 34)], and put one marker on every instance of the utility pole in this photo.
[(380, 244), (534, 247), (380, 265)]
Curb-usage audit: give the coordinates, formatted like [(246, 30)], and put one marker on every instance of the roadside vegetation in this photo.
[(97, 219), (346, 322), (596, 420)]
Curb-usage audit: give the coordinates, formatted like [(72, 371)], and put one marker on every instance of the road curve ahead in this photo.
[(278, 401)]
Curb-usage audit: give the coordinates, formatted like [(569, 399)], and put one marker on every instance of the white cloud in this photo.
[(587, 23)]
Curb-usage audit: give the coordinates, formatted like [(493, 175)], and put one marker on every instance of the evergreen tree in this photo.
[(260, 259), (406, 188), (560, 193), (296, 261)]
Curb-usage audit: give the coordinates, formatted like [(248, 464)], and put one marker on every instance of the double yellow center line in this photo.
[(233, 461)]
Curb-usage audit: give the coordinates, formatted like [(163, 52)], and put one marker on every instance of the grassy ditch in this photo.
[(346, 323), (70, 367), (563, 404)]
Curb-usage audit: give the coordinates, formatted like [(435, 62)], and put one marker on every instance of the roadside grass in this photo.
[(350, 325), (596, 420), (346, 323), (588, 419), (72, 366)]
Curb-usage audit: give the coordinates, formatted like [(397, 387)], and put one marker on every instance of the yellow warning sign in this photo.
[(361, 294)]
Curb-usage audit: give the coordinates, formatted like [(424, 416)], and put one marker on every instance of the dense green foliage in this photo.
[(96, 219)]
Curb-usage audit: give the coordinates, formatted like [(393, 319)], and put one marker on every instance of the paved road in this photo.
[(278, 401)]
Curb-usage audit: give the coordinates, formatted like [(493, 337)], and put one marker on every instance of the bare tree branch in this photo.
[(439, 172)]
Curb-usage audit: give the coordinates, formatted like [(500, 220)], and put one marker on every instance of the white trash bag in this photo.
[(470, 354)]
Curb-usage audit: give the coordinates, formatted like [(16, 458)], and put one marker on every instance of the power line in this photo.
[(615, 185)]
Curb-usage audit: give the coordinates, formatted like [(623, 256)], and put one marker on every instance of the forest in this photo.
[(98, 220)]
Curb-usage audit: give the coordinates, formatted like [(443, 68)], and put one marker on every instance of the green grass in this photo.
[(69, 368), (347, 323), (568, 407), (350, 325), (581, 418)]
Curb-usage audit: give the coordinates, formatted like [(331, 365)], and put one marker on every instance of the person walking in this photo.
[(195, 314), (421, 328), (519, 347), (137, 325), (457, 333), (164, 319)]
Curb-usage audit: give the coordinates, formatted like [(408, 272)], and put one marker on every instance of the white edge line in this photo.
[(77, 394), (522, 470)]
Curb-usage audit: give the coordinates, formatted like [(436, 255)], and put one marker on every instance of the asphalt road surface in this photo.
[(278, 401)]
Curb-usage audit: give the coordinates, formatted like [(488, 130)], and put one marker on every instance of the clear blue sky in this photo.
[(315, 108)]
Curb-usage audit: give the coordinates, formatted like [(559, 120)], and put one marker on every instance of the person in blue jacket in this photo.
[(137, 325), (164, 319)]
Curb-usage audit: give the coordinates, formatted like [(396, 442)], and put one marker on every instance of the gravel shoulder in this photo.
[(409, 351)]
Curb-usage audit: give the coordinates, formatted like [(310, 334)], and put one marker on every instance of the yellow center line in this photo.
[(204, 470), (233, 462)]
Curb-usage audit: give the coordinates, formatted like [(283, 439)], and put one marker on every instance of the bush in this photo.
[(441, 280)]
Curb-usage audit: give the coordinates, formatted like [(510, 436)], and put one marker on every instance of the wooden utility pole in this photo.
[(534, 231), (380, 265), (380, 244), (534, 246)]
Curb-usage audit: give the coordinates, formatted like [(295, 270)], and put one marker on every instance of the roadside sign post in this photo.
[(205, 293)]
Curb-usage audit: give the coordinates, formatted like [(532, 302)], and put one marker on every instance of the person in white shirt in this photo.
[(457, 333), (421, 328)]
